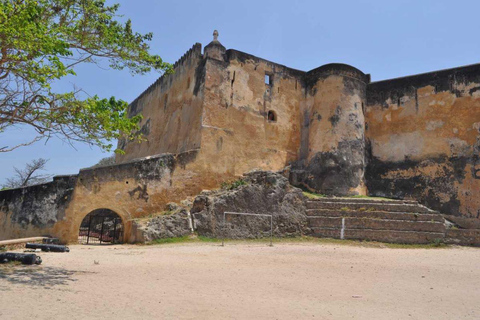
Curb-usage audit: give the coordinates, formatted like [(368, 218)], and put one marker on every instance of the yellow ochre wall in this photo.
[(424, 136)]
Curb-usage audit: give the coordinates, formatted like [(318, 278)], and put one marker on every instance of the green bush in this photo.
[(233, 185)]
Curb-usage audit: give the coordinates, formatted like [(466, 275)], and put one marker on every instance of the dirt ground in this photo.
[(245, 281)]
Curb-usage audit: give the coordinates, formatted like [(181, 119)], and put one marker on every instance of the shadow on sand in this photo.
[(36, 276)]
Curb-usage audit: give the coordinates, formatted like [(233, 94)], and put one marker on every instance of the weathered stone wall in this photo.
[(424, 139), (237, 135), (333, 139), (242, 121), (218, 118), (35, 210), (132, 190), (171, 110)]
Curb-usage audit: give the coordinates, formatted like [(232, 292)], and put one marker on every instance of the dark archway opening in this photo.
[(272, 116), (101, 226)]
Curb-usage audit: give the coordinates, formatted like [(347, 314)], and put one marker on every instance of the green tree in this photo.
[(42, 41)]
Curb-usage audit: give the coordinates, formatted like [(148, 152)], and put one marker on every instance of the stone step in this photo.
[(432, 217), (363, 200), (376, 224), (464, 237), (406, 237), (359, 206)]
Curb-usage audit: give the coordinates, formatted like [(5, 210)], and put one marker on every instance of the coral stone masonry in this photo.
[(330, 130)]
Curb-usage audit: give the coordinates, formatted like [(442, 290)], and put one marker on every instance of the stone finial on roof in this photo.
[(215, 49)]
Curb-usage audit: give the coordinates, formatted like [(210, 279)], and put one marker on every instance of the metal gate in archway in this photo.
[(101, 226)]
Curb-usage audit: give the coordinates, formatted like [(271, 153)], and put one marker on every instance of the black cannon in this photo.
[(24, 258), (47, 247), (50, 241)]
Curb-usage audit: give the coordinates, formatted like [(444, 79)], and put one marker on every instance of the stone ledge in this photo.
[(372, 206), (408, 216)]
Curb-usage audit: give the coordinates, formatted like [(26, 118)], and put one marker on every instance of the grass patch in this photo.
[(233, 185), (312, 195), (438, 242), (371, 198)]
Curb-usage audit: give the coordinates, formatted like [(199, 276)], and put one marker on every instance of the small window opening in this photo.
[(165, 101), (296, 84), (268, 79), (188, 83), (233, 79), (271, 116)]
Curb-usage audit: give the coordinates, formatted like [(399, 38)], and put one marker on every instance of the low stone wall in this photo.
[(34, 211), (132, 190), (463, 237)]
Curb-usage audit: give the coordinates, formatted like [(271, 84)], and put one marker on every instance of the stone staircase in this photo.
[(395, 221)]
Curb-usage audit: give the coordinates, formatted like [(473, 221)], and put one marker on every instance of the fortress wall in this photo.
[(332, 150), (236, 134), (171, 109), (424, 139), (34, 211), (133, 190)]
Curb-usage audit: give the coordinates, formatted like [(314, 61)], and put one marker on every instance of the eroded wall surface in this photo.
[(171, 110), (424, 139), (34, 211), (333, 139), (219, 116), (237, 134), (132, 190)]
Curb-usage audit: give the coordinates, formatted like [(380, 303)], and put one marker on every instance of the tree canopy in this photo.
[(42, 41), (28, 176)]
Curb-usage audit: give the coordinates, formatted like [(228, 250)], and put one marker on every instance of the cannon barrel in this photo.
[(24, 258), (47, 247)]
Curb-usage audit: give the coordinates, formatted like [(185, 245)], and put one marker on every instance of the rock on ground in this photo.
[(175, 222), (258, 192)]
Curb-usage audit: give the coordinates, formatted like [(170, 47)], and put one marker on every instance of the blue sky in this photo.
[(387, 39)]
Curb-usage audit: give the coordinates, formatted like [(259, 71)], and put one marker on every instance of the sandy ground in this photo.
[(245, 281)]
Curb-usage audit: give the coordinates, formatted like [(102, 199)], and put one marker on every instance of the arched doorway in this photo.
[(101, 226)]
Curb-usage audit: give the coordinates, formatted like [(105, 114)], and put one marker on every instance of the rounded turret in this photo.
[(335, 163)]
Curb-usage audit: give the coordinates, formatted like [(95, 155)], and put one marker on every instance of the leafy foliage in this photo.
[(29, 175), (233, 185), (41, 42)]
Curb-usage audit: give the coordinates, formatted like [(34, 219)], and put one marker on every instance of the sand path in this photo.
[(245, 281)]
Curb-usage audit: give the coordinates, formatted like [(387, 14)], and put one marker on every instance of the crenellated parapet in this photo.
[(195, 52)]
